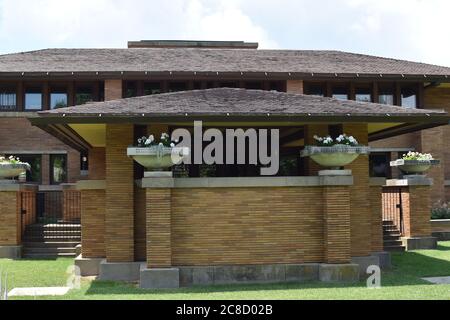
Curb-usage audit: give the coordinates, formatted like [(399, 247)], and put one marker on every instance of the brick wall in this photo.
[(336, 201), (93, 223), (113, 89), (159, 228), (294, 86), (119, 217), (440, 225), (377, 218), (97, 161), (71, 206), (247, 226), (9, 218), (140, 227), (417, 211), (18, 135), (359, 195)]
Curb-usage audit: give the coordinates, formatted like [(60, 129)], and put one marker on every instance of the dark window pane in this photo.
[(277, 86), (386, 95), (83, 95), (8, 99), (58, 169), (409, 97), (130, 89), (379, 165), (315, 90), (197, 85), (340, 93), (34, 175), (152, 88), (253, 85), (227, 85), (363, 94), (33, 99), (177, 86)]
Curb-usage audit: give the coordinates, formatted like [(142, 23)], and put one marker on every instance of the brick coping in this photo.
[(245, 182)]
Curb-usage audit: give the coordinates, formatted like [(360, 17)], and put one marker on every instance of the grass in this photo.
[(403, 281)]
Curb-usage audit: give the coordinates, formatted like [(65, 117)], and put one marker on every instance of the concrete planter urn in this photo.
[(10, 170), (157, 158), (414, 166), (334, 157)]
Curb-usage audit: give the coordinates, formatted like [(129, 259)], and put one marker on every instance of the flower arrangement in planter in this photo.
[(12, 167), (415, 162), (157, 155), (335, 153)]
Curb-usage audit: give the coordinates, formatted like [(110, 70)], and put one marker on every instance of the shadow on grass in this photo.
[(407, 270)]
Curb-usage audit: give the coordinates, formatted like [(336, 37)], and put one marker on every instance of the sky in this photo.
[(414, 30)]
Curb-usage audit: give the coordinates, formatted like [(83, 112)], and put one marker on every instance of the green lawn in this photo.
[(401, 282)]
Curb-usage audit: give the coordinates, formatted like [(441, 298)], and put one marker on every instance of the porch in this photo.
[(198, 230)]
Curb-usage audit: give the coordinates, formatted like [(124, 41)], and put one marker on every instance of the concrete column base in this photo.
[(418, 243), (159, 278), (384, 258), (88, 266), (366, 262), (119, 271), (339, 272), (10, 252)]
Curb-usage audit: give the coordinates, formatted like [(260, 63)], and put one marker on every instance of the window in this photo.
[(253, 85), (177, 86), (409, 97), (83, 95), (8, 98), (277, 86), (340, 93), (386, 95), (315, 89), (130, 89), (58, 98), (379, 165), (228, 85), (363, 94), (58, 169), (34, 175), (152, 88), (33, 99)]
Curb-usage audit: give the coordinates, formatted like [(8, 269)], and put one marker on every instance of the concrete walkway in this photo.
[(36, 292), (438, 280)]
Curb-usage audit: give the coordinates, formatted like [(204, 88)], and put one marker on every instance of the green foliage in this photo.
[(440, 211)]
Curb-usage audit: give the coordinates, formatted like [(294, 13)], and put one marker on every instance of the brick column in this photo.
[(416, 205), (119, 215), (11, 218), (361, 220), (433, 141), (158, 209), (92, 218), (97, 164), (376, 218), (113, 90), (312, 168), (294, 86), (71, 203), (336, 201)]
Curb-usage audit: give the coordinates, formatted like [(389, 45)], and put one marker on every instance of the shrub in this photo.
[(440, 210)]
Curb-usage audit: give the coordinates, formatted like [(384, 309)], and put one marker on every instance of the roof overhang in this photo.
[(83, 133)]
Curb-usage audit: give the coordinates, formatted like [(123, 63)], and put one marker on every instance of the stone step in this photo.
[(51, 244), (395, 248), (391, 237), (392, 243), (29, 255)]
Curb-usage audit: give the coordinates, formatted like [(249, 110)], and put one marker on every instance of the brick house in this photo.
[(257, 229)]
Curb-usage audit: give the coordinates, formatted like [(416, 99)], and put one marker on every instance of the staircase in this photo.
[(51, 240), (392, 237)]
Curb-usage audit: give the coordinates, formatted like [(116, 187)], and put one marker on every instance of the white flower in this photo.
[(172, 145), (161, 144)]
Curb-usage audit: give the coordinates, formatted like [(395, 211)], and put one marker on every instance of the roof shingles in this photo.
[(211, 60), (221, 101)]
